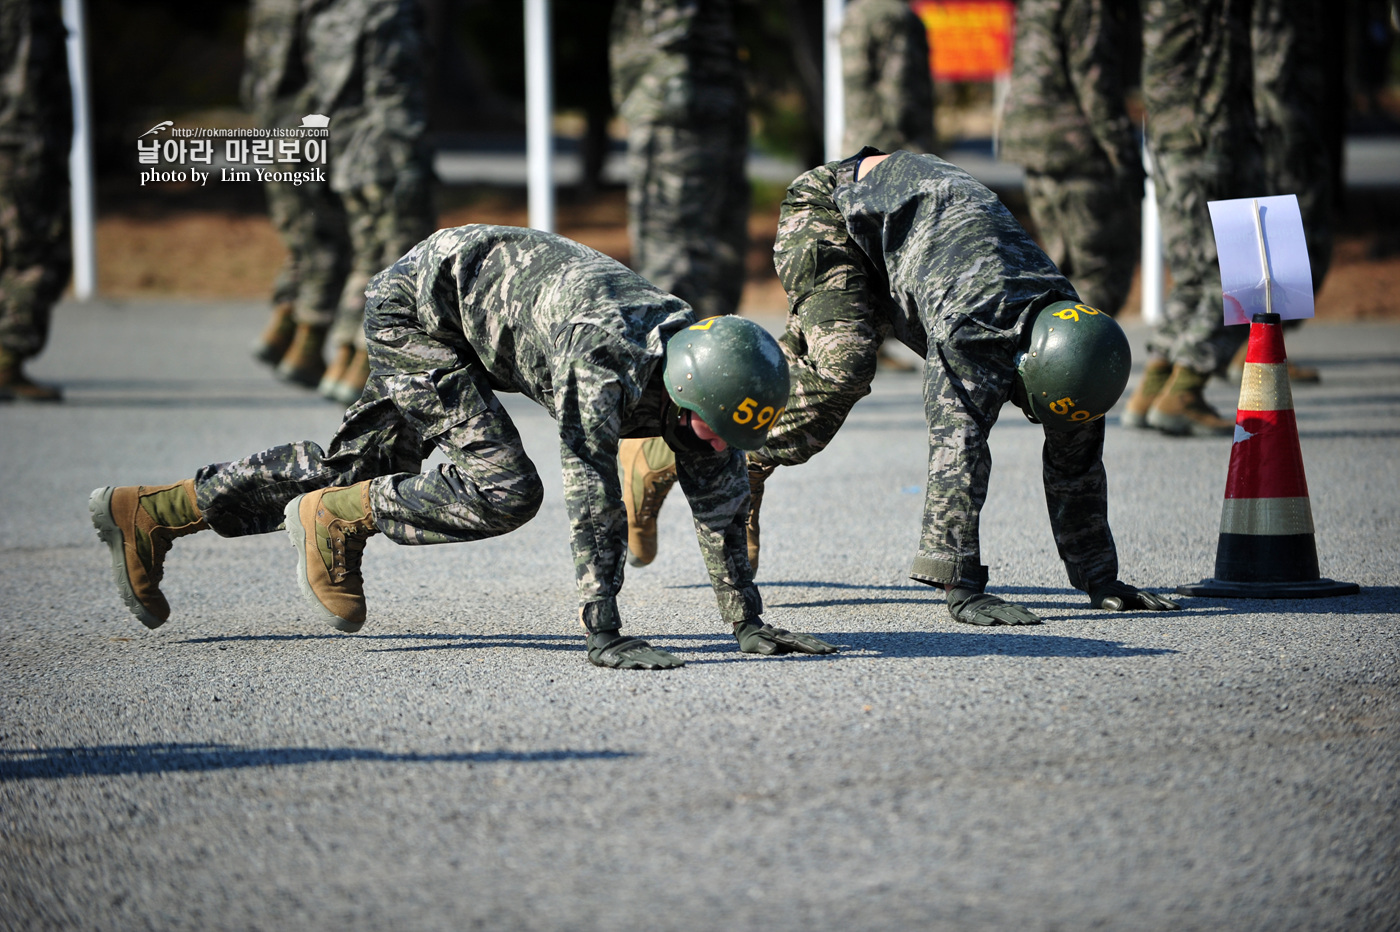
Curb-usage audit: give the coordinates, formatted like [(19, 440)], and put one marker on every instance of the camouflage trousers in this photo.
[(384, 221), (311, 222), (1192, 332), (1090, 226), (968, 377), (35, 252), (487, 487), (688, 210)]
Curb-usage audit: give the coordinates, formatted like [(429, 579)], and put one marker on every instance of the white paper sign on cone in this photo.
[(1247, 283)]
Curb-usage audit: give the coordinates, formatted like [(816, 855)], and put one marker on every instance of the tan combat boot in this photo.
[(1234, 373), (1154, 379), (340, 361), (329, 528), (16, 386), (758, 475), (1181, 408), (303, 363), (138, 523), (351, 384), (276, 336), (648, 473)]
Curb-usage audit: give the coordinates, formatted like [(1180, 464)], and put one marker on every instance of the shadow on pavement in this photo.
[(120, 759), (558, 642), (1003, 641)]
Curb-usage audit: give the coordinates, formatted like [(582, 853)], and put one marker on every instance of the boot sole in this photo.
[(292, 514), (100, 507), (1185, 427)]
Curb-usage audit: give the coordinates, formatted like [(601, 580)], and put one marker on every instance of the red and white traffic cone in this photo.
[(1267, 549)]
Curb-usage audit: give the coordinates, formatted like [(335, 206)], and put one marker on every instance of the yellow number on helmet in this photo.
[(1086, 309), (746, 408), (1068, 313), (705, 324), (1063, 405)]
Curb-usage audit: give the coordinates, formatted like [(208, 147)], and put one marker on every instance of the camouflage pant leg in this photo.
[(35, 252), (688, 207), (311, 221), (1192, 332), (1090, 227), (385, 221), (965, 384), (831, 364), (488, 487)]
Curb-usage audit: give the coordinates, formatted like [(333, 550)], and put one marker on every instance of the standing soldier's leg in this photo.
[(283, 207), (1100, 228), (35, 259), (318, 227)]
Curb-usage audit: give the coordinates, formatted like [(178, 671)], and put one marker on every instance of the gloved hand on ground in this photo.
[(1117, 596), (977, 608), (613, 649), (755, 637)]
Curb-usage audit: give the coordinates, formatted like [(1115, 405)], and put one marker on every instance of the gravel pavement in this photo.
[(459, 765)]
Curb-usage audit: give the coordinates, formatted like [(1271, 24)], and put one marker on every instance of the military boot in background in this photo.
[(1154, 379), (138, 524), (329, 528), (648, 473), (1181, 410), (1234, 373), (276, 336), (16, 386), (340, 361), (303, 363), (758, 475), (351, 384)]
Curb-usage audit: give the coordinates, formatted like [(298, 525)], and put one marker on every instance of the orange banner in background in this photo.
[(969, 40)]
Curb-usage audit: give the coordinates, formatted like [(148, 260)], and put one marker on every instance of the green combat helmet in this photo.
[(731, 372), (1075, 367)]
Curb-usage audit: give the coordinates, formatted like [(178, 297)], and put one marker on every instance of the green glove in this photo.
[(1116, 595), (757, 638), (977, 608), (611, 649)]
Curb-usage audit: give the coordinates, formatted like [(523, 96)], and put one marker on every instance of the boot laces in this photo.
[(654, 494)]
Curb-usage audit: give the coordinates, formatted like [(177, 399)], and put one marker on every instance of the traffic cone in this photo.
[(1267, 549)]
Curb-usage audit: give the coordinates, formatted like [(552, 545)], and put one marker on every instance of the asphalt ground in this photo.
[(459, 765)]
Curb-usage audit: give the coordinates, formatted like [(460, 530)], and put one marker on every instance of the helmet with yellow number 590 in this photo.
[(1075, 367), (731, 373)]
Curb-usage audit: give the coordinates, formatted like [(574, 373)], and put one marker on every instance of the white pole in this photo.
[(833, 96), (539, 109), (84, 211), (1151, 246)]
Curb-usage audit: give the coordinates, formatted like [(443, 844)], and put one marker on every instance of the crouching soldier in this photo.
[(467, 313), (912, 245)]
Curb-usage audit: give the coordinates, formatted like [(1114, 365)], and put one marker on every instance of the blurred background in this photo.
[(154, 60)]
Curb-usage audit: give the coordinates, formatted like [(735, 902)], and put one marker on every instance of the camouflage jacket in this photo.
[(1065, 111), (530, 312), (936, 259)]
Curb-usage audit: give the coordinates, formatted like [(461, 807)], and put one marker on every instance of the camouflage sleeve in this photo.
[(820, 266), (1076, 493), (591, 391), (717, 487)]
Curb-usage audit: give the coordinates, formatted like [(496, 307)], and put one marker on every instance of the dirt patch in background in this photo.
[(220, 244)]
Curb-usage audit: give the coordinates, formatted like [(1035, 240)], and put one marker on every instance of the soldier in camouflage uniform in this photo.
[(365, 58), (360, 63), (913, 246), (1065, 121), (36, 108), (678, 84), (1198, 89), (886, 77), (308, 217), (467, 313)]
